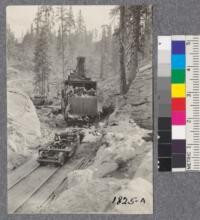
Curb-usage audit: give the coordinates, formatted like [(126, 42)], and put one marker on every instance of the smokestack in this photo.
[(80, 68)]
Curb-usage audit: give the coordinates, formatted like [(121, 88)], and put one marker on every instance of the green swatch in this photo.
[(178, 76)]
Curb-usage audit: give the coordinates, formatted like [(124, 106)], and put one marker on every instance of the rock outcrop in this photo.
[(23, 126)]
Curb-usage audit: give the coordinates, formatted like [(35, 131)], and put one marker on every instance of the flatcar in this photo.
[(60, 149)]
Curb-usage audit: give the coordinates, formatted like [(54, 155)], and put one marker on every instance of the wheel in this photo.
[(81, 137), (41, 163), (61, 158), (73, 151)]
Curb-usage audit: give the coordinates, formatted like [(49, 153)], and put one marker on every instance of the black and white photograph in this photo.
[(79, 109)]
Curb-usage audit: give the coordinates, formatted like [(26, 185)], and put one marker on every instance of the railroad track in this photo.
[(19, 193), (31, 191), (17, 180), (81, 165)]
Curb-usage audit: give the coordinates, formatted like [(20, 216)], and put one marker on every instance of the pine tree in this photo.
[(10, 43), (123, 86), (95, 34), (80, 27), (109, 41), (106, 49), (27, 47), (59, 41), (42, 61), (71, 21), (133, 31), (129, 39), (71, 26), (103, 50), (148, 33), (66, 26), (115, 52)]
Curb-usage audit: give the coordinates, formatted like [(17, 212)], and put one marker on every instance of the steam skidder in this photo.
[(79, 98), (61, 148)]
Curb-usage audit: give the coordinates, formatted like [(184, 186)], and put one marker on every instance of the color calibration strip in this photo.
[(164, 103), (178, 100), (178, 89)]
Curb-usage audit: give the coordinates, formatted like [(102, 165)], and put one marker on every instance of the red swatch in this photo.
[(178, 104)]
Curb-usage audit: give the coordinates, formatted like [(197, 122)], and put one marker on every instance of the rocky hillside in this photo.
[(138, 100), (23, 127)]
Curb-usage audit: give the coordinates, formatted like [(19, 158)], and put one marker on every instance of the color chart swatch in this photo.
[(178, 112), (164, 103), (178, 85)]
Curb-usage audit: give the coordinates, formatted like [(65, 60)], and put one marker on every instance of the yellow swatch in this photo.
[(177, 90)]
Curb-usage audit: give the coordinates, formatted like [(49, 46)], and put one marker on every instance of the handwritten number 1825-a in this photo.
[(127, 201)]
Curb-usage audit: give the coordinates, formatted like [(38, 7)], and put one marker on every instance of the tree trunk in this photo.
[(148, 34), (62, 42), (122, 51), (102, 62), (134, 26), (102, 67), (104, 46)]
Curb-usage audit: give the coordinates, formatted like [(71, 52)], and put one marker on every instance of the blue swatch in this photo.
[(178, 47), (178, 62)]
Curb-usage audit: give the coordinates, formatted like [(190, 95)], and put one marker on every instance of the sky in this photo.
[(20, 17)]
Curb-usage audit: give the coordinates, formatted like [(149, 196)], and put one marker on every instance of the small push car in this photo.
[(60, 149)]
